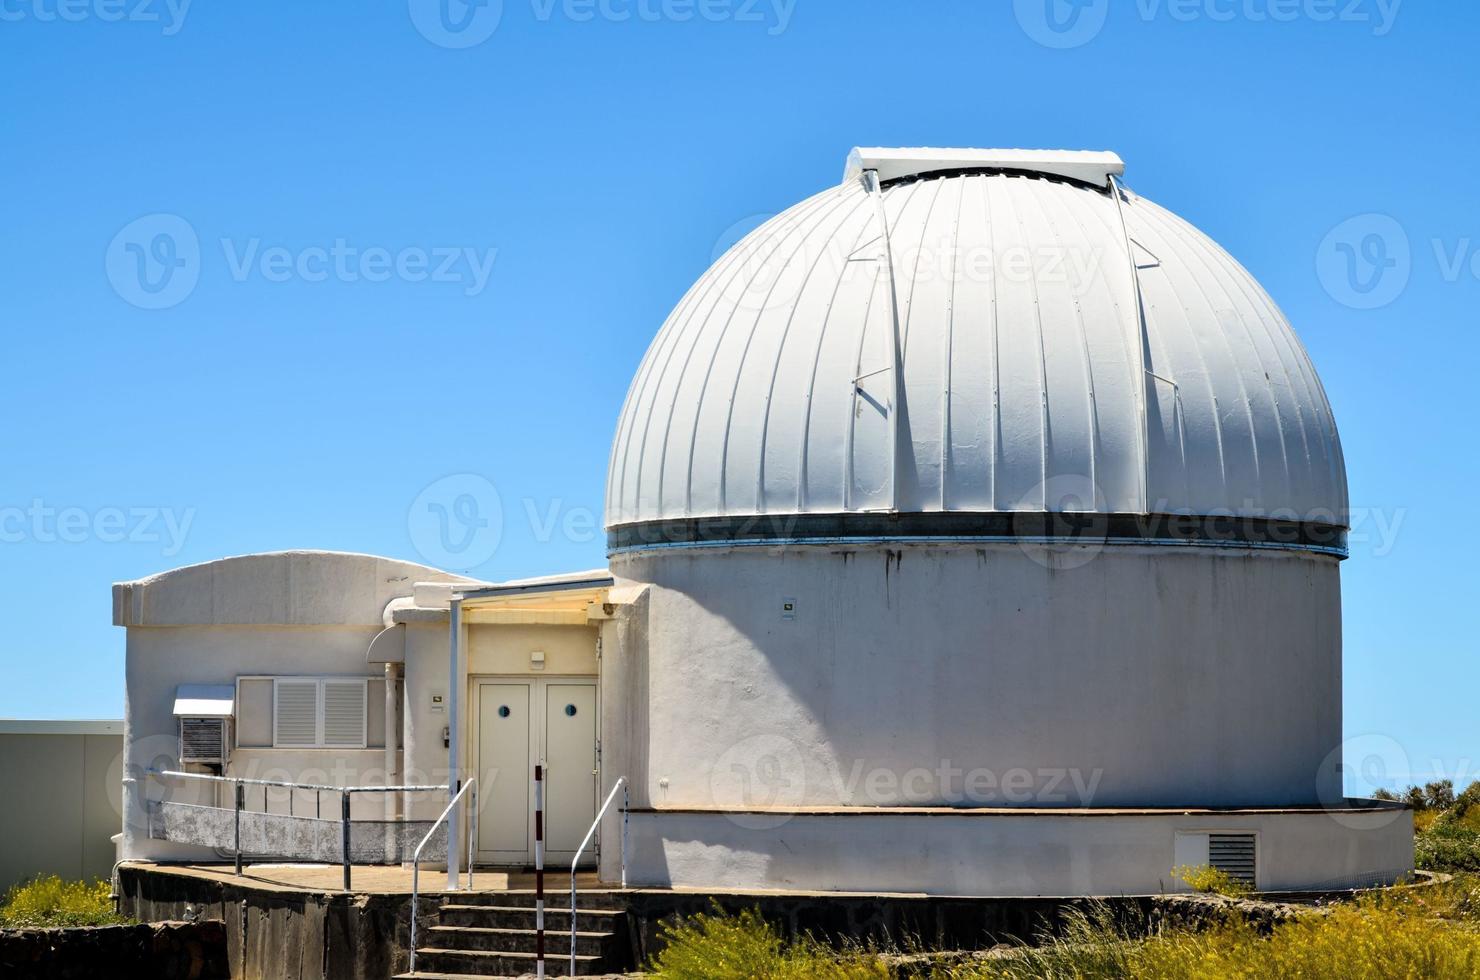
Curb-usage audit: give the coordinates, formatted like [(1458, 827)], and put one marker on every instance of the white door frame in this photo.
[(537, 704)]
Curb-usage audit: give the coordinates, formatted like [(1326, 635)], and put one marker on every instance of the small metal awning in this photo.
[(205, 700), (575, 599)]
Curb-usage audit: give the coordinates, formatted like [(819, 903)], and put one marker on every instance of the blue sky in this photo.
[(427, 261)]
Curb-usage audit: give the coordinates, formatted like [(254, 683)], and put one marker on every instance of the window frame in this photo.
[(318, 680)]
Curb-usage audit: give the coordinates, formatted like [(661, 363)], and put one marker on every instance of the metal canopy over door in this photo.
[(521, 722), (504, 729)]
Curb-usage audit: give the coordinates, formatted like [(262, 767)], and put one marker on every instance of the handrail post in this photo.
[(416, 858), (472, 830), (415, 890), (240, 798), (621, 784), (626, 808), (344, 832)]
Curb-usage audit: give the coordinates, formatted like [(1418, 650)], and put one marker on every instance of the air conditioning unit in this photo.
[(203, 740), (204, 712)]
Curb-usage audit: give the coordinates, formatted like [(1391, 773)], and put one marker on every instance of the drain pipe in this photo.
[(392, 737), (393, 806)]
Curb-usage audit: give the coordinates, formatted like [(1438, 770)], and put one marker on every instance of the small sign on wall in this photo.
[(788, 608), (439, 704)]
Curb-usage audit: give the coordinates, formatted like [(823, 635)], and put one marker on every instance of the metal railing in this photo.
[(239, 803), (416, 856), (620, 784)]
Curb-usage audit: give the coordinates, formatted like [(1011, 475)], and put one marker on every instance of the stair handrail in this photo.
[(620, 784), (416, 855)]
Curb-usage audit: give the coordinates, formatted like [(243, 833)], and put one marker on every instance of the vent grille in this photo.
[(1234, 855), (202, 739)]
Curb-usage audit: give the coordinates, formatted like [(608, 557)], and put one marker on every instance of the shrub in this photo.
[(1448, 847), (1372, 940), (1211, 881), (50, 901), (743, 947), (1439, 794)]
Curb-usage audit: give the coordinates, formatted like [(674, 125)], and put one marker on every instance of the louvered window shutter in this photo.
[(344, 713), (295, 713)]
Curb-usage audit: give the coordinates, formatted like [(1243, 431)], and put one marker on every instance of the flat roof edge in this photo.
[(61, 726)]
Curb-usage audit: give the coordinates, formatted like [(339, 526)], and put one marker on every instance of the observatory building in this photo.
[(975, 527)]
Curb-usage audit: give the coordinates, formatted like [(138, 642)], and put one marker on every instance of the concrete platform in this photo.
[(366, 879)]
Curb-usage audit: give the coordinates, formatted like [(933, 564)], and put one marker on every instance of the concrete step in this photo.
[(524, 898), (516, 917), (479, 963), (517, 940)]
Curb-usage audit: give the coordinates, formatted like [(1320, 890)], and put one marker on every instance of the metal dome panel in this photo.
[(985, 355)]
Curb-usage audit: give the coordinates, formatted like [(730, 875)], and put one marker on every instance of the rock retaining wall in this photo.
[(157, 951)]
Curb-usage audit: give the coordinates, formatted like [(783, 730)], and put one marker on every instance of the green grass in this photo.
[(1417, 934), (1429, 933), (51, 901), (746, 947)]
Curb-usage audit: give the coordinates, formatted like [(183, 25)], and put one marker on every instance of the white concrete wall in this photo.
[(66, 802), (624, 717), (285, 613), (997, 854), (160, 659), (945, 675)]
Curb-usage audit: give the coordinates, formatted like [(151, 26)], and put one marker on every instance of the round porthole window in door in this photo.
[(570, 711), (503, 711)]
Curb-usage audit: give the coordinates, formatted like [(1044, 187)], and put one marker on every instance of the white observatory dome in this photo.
[(975, 332)]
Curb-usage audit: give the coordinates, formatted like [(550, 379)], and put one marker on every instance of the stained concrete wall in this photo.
[(1134, 677), (1005, 853), (282, 934), (161, 951), (68, 775)]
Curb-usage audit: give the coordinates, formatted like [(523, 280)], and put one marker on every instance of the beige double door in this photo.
[(524, 722)]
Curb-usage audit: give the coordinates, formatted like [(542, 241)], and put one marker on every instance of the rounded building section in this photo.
[(980, 485)]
